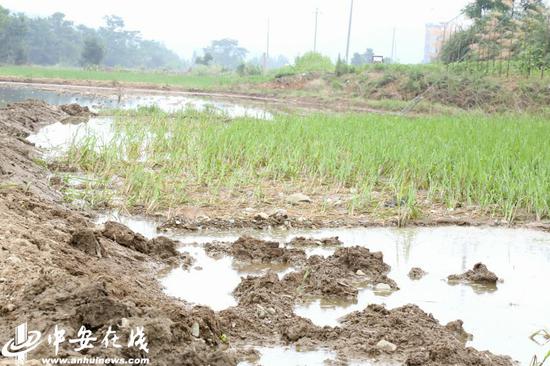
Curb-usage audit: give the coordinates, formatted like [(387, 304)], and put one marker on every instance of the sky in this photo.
[(189, 25)]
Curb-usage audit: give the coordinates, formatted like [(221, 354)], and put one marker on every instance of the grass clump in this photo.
[(500, 163)]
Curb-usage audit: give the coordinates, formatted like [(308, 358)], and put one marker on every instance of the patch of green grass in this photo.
[(196, 80), (499, 162)]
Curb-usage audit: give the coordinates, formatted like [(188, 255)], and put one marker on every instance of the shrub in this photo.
[(246, 69), (313, 62)]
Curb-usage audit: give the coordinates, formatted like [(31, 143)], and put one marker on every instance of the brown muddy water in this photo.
[(501, 319)]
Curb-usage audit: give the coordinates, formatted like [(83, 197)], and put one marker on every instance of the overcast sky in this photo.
[(189, 25)]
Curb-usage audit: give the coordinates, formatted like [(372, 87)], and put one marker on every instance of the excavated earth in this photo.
[(58, 268)]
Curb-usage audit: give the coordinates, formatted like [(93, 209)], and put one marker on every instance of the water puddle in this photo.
[(501, 320), (219, 275), (10, 93), (56, 138)]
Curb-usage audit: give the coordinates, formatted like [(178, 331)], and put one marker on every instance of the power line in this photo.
[(349, 31)]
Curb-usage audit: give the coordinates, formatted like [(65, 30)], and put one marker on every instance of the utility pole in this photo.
[(393, 47), (349, 31), (315, 34), (266, 58)]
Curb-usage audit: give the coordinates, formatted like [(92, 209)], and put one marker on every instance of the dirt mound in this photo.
[(406, 334), (418, 337), (20, 119), (265, 311), (57, 268), (339, 274), (301, 241), (479, 274)]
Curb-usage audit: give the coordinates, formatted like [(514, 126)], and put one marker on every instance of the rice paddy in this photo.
[(499, 163)]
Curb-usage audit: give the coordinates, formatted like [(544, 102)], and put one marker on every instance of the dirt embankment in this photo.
[(58, 268)]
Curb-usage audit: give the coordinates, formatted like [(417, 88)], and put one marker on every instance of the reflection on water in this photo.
[(500, 320), (56, 138), (164, 101)]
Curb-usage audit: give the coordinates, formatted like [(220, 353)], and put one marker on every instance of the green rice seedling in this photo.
[(499, 163)]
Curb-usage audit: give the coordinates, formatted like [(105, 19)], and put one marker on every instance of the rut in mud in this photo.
[(58, 268)]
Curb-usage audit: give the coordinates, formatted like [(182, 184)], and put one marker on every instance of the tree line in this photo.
[(54, 40)]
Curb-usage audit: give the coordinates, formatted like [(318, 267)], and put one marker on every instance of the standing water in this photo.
[(501, 320), (168, 102)]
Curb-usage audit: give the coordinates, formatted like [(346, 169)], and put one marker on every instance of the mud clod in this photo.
[(75, 110), (457, 329), (160, 247), (416, 273), (336, 275), (86, 241), (479, 274), (125, 237), (253, 250)]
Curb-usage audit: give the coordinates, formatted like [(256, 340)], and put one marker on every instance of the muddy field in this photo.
[(59, 267)]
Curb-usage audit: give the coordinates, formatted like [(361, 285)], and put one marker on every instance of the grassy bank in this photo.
[(197, 80), (500, 163), (387, 87)]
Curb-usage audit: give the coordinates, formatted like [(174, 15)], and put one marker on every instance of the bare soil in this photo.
[(58, 268)]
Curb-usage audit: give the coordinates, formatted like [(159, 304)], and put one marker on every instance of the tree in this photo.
[(535, 49), (54, 40), (364, 58), (479, 8), (204, 60), (93, 52), (13, 28), (226, 52), (531, 4)]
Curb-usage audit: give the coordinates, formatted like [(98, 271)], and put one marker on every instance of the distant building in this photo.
[(435, 33)]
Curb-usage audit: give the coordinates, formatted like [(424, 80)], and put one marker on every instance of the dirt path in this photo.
[(58, 268)]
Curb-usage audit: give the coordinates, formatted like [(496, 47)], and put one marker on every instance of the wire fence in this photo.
[(513, 44)]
